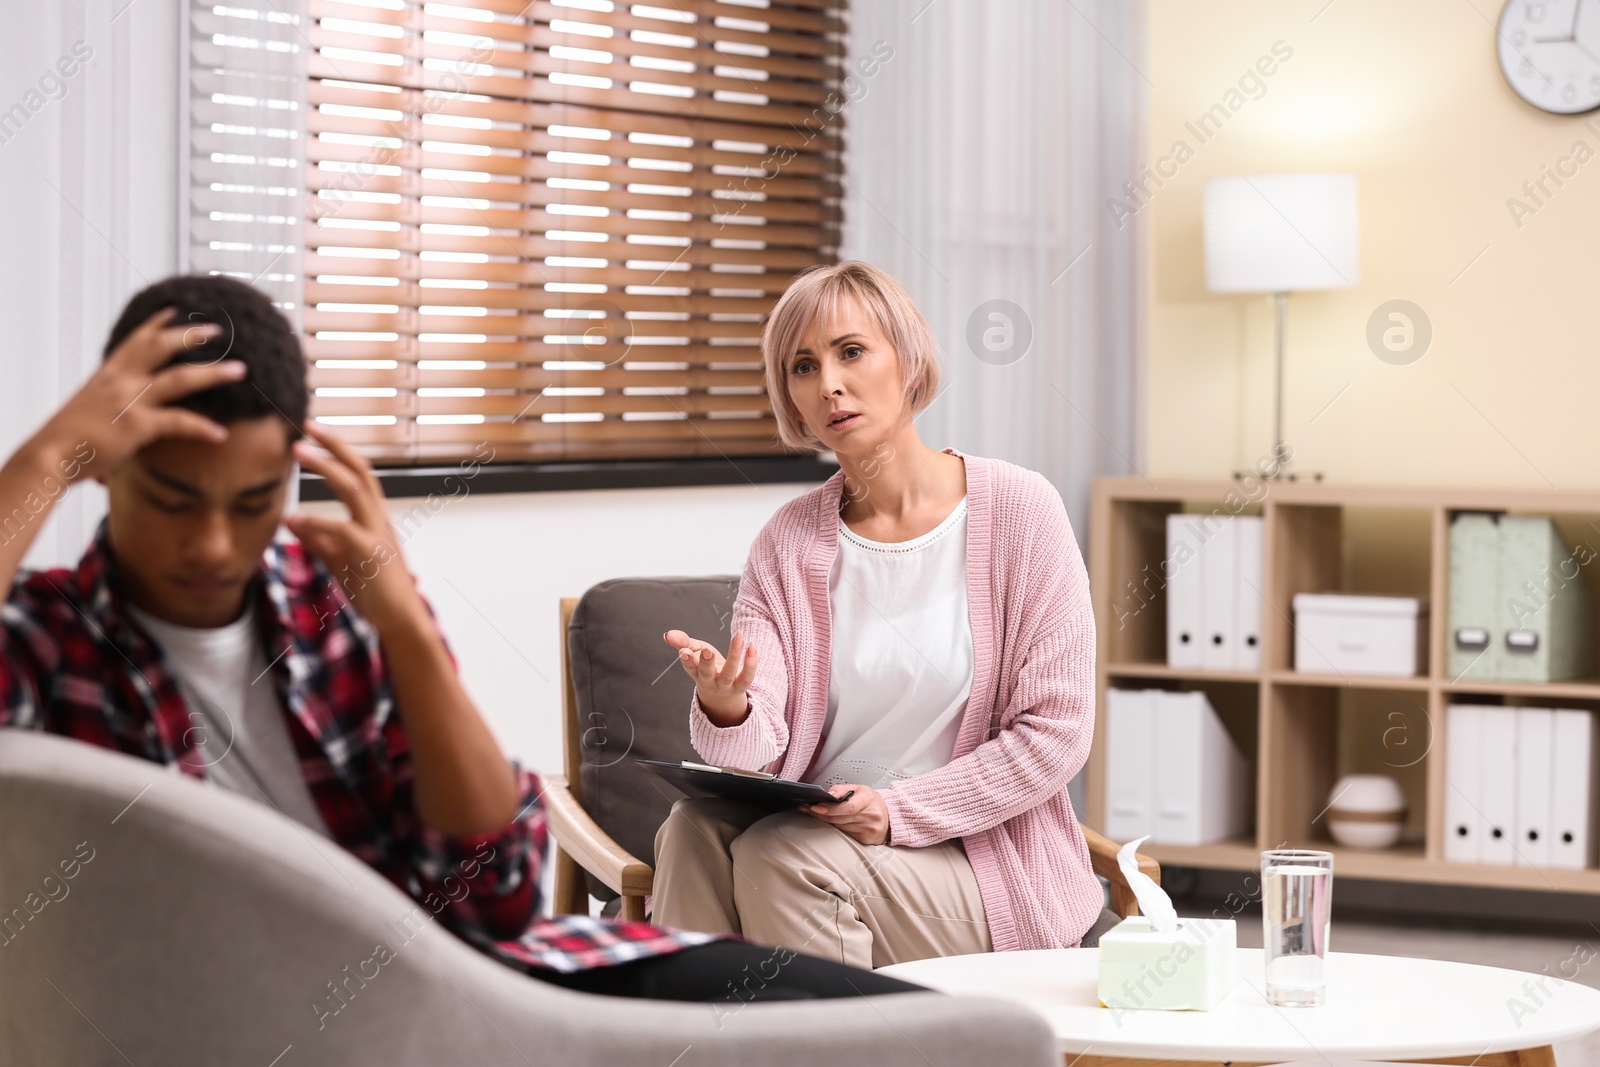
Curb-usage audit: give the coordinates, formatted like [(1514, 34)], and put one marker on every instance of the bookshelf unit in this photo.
[(1301, 732)]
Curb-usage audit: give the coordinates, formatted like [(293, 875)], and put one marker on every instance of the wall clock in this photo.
[(1550, 53)]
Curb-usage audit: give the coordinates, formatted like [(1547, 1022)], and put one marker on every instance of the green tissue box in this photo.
[(1191, 968)]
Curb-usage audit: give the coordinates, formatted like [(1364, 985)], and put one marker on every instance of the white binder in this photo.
[(1130, 764), (1183, 592), (1533, 786), (1572, 789), (1218, 572), (1202, 781), (1463, 744), (1497, 784), (1248, 586)]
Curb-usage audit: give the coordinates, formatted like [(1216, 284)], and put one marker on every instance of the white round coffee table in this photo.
[(1378, 1008)]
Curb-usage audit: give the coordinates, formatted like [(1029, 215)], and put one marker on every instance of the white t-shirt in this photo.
[(237, 719), (902, 655)]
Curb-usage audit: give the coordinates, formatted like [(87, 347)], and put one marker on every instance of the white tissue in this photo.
[(1154, 904)]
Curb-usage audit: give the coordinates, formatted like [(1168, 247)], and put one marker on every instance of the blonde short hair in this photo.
[(814, 294)]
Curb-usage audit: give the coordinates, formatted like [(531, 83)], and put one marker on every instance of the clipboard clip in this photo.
[(760, 775)]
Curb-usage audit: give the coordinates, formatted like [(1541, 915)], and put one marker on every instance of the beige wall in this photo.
[(1407, 95)]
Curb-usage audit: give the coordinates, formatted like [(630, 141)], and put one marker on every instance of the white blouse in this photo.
[(902, 655)]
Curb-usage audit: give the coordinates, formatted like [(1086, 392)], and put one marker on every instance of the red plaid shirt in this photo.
[(73, 662)]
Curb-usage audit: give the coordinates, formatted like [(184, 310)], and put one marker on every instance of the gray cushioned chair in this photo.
[(625, 696), (199, 927)]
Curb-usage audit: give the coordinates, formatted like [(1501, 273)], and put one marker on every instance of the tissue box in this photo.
[(1190, 968)]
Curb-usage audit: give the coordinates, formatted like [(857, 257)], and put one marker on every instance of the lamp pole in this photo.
[(1280, 448), (1280, 301)]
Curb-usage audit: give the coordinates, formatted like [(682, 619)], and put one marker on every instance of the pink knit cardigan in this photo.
[(1029, 719)]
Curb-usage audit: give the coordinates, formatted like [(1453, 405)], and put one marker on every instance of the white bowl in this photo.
[(1366, 811), (1371, 835), (1367, 792)]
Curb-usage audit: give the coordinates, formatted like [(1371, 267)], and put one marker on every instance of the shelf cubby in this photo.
[(1340, 548), (1317, 734), (1138, 572)]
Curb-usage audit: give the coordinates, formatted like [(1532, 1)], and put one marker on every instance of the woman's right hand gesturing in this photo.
[(723, 685)]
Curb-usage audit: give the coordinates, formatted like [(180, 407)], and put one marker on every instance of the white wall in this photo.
[(495, 566)]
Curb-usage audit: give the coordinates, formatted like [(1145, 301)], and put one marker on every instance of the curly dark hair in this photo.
[(253, 332)]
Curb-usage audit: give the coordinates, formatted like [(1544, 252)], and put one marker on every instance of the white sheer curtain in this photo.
[(980, 158), (88, 209)]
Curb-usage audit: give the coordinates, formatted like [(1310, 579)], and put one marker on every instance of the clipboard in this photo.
[(751, 787)]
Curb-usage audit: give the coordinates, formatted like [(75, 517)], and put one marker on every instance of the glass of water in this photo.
[(1296, 896)]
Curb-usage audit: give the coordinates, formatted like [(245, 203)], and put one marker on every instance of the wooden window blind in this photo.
[(557, 227)]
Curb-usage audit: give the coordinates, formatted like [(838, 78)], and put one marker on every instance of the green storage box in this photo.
[(1520, 608), (1472, 645), (1546, 615)]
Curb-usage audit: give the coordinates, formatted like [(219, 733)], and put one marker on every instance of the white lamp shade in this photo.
[(1278, 233)]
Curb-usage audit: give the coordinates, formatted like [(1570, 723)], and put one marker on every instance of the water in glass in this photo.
[(1295, 907)]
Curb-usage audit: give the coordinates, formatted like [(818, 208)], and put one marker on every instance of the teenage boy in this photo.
[(307, 674)]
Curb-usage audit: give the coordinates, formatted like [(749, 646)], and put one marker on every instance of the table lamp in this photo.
[(1279, 234)]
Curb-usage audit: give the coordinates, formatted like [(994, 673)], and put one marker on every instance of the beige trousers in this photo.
[(792, 881)]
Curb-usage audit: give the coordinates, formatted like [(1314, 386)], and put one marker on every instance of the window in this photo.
[(551, 228)]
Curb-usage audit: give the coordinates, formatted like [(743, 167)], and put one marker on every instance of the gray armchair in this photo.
[(150, 919), (624, 697)]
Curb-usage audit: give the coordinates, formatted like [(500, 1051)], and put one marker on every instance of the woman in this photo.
[(915, 634)]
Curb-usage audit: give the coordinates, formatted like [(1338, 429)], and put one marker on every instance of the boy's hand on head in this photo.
[(126, 404), (361, 551)]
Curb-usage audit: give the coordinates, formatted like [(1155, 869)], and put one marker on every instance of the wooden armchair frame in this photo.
[(581, 845)]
